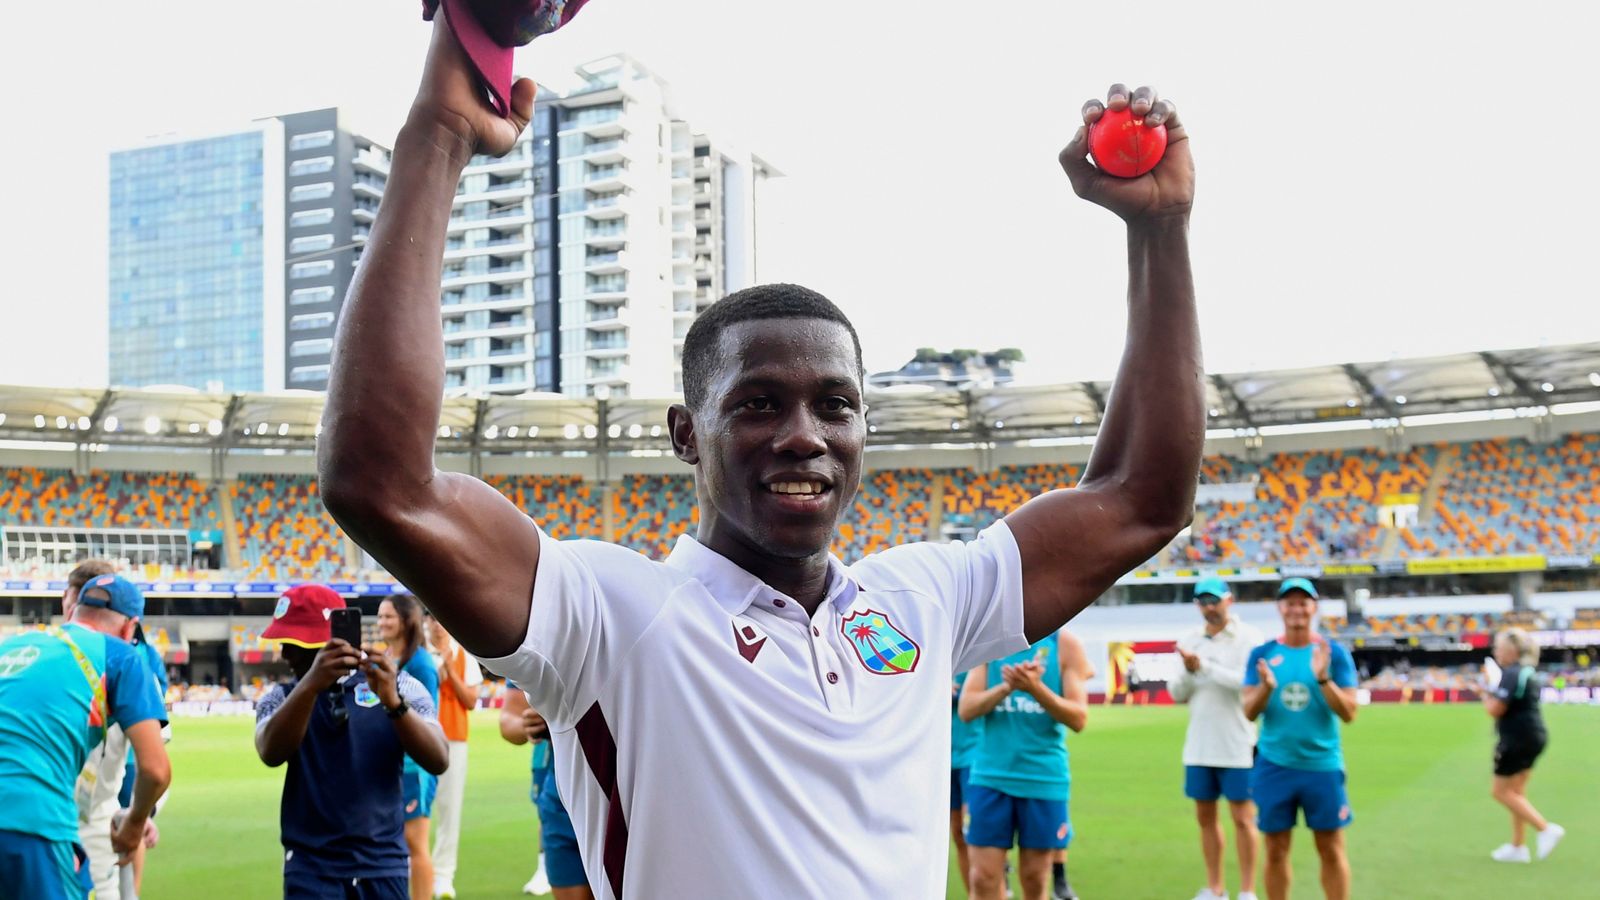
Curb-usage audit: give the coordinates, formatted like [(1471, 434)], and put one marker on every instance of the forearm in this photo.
[(1071, 712), (1222, 676), (1150, 439), (387, 382), (148, 787), (424, 742), (1339, 700), (279, 736), (977, 704), (1255, 700), (463, 694), (1182, 687), (512, 729)]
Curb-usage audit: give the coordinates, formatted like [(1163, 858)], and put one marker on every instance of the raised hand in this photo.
[(534, 725), (1321, 659), (1265, 676), (335, 660), (1166, 190), (383, 678), (450, 96), (1191, 662)]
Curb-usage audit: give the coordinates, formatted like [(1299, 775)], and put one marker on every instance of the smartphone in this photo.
[(347, 625)]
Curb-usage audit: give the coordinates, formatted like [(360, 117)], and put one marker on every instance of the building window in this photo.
[(311, 140), (304, 374), (316, 165), (311, 321), (309, 217), (311, 243), (311, 269), (300, 193), (308, 296), (314, 347)]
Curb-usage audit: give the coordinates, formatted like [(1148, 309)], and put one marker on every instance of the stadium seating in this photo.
[(57, 497), (648, 512), (977, 499), (1510, 496), (565, 506), (1585, 618), (1434, 623), (285, 533), (894, 507)]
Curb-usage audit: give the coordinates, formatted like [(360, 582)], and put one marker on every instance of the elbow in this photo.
[(438, 760), (1078, 723), (159, 773), (966, 714)]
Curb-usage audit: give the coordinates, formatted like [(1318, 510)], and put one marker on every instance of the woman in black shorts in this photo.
[(1514, 704)]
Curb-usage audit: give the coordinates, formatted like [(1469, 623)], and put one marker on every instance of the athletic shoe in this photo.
[(1248, 895), (1206, 894), (445, 891), (1549, 838), (1508, 853), (1062, 891), (538, 885)]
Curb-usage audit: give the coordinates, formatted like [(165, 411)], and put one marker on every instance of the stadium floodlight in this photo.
[(635, 430), (492, 432), (571, 432), (1594, 379), (194, 427), (533, 431), (61, 421), (214, 427), (655, 431), (1352, 403), (1077, 420), (872, 429), (999, 423), (83, 423), (111, 423), (955, 425), (511, 432), (614, 431), (152, 425), (2, 418), (283, 429), (602, 392), (1494, 392), (590, 432), (444, 431), (1214, 412), (1547, 387), (38, 421), (1400, 399)]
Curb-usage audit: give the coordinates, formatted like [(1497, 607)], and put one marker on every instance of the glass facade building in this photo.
[(195, 254)]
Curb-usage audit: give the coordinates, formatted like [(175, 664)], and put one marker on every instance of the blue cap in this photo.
[(1211, 586), (115, 593), (1298, 584)]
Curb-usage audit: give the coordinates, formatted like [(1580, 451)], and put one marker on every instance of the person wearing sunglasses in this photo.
[(344, 726)]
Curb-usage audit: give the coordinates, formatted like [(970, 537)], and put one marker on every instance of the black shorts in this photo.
[(1514, 755)]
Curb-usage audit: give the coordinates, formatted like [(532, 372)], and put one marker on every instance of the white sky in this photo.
[(1376, 179)]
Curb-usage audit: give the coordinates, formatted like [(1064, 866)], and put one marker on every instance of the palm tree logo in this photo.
[(882, 648)]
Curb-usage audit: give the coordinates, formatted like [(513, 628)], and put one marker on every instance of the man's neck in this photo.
[(803, 580), (1214, 630)]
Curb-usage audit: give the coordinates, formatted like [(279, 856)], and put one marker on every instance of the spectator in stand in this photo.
[(558, 843), (344, 727), (459, 679), (1219, 749), (60, 689), (400, 626), (1514, 704)]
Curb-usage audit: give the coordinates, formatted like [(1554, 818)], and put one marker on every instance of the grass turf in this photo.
[(1419, 781)]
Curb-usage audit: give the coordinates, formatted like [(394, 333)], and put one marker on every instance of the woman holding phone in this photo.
[(1514, 704), (400, 626)]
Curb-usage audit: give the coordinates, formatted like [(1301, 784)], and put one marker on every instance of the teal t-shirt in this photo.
[(422, 667), (963, 735), (49, 721), (158, 669), (1022, 751), (1298, 729)]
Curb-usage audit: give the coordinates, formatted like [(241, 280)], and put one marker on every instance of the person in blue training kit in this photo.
[(343, 726), (560, 864), (963, 744), (60, 689), (401, 627), (1020, 783), (1301, 687)]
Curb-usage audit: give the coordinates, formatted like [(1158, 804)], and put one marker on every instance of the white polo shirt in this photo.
[(1219, 734), (713, 741)]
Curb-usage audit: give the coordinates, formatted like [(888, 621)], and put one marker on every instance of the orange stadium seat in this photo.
[(565, 506)]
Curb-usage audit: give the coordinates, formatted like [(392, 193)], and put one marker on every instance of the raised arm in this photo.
[(464, 549), (519, 723), (1137, 492)]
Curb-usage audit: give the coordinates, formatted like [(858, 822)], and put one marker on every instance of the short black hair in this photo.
[(764, 301)]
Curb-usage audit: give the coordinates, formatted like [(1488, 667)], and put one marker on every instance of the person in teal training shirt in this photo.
[(1019, 784), (963, 744), (60, 688), (1301, 686), (400, 626)]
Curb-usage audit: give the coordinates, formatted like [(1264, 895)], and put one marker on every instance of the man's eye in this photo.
[(836, 404), (760, 404)]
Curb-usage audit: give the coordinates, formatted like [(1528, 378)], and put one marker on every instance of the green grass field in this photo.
[(1419, 778)]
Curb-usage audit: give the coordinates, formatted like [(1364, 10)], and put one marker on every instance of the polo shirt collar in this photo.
[(735, 589)]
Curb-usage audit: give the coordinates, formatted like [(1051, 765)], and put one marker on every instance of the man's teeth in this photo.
[(795, 487)]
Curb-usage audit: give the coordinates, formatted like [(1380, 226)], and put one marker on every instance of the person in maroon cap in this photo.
[(344, 727)]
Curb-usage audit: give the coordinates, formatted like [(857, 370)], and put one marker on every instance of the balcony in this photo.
[(457, 277), (496, 191), (605, 319), (365, 211), (497, 215), (366, 185), (606, 263)]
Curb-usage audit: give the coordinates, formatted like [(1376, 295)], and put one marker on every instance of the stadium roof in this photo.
[(1534, 378)]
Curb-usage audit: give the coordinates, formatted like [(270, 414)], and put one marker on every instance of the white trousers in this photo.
[(95, 836), (447, 815)]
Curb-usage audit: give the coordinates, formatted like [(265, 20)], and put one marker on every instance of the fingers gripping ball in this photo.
[(1122, 145)]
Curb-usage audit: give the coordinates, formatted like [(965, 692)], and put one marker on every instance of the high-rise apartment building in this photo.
[(230, 252), (576, 263)]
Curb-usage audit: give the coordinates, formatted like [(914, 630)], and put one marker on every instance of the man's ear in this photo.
[(680, 427), (127, 629)]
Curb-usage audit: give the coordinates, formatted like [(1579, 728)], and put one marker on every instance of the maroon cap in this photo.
[(301, 617), (490, 30)]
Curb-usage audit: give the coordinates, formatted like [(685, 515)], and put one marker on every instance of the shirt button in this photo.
[(833, 677), (816, 631), (778, 602)]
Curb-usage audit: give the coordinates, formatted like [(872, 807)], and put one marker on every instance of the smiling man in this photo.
[(750, 717)]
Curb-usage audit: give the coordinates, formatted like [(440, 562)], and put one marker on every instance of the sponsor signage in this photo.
[(1467, 565)]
